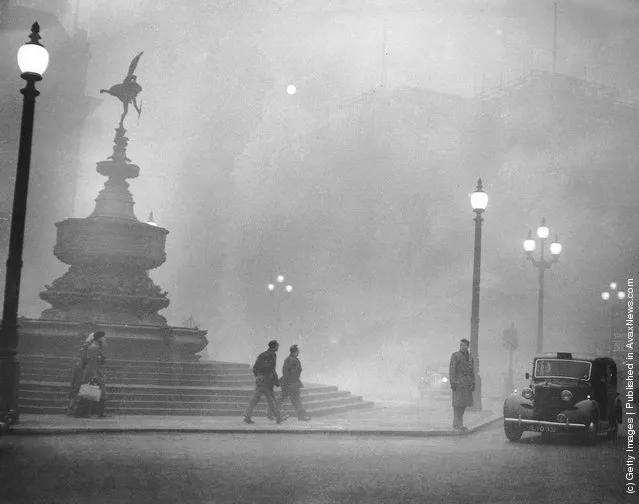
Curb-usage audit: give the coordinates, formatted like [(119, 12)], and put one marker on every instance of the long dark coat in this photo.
[(291, 372), (264, 370), (462, 375)]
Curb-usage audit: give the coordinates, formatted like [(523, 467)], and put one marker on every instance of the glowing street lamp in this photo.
[(280, 292), (479, 202), (33, 60), (612, 298), (542, 264)]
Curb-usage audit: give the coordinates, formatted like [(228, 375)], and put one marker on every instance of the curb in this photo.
[(48, 431)]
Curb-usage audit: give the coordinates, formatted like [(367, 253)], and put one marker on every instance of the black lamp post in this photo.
[(479, 201), (612, 298), (280, 292), (33, 60), (542, 265)]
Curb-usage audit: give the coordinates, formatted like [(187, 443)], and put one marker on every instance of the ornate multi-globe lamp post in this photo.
[(612, 298), (542, 265), (280, 292), (479, 202), (33, 60)]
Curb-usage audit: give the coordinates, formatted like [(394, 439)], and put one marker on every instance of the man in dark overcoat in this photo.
[(291, 383), (265, 379), (462, 381)]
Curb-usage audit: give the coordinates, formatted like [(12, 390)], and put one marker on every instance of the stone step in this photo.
[(166, 405), (161, 388), (241, 395), (69, 362), (69, 367), (121, 366), (165, 389), (68, 371), (147, 380), (314, 412), (141, 378)]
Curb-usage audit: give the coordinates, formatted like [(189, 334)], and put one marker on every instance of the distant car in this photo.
[(435, 385), (568, 393)]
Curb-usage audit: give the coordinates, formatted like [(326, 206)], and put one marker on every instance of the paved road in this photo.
[(308, 468)]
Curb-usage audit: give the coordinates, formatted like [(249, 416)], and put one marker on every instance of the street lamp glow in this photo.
[(529, 243), (280, 278), (33, 58), (291, 89), (605, 296), (621, 295), (542, 265), (613, 285), (543, 231), (271, 287), (289, 288), (479, 199), (556, 247)]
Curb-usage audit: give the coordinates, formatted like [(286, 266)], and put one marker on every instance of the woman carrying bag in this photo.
[(88, 390)]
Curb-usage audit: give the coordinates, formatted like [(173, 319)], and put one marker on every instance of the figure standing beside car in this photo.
[(462, 382)]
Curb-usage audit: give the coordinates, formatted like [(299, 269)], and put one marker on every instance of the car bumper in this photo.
[(544, 426)]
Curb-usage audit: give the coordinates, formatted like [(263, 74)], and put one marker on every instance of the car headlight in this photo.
[(527, 393), (444, 379), (566, 395)]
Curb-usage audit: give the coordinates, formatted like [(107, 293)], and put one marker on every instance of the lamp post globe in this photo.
[(33, 57), (556, 247), (33, 60), (542, 230), (529, 243), (479, 199)]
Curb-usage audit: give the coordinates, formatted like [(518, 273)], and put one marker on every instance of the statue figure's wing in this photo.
[(133, 65)]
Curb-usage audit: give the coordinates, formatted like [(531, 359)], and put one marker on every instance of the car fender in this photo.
[(583, 411), (516, 405)]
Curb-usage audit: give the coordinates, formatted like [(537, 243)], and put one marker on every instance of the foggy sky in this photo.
[(251, 181)]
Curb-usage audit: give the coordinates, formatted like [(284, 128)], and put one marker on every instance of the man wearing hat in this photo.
[(265, 379), (291, 383)]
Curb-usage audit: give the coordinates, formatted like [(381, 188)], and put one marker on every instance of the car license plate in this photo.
[(542, 428)]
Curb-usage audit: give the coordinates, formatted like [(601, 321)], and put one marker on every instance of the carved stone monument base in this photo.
[(124, 341)]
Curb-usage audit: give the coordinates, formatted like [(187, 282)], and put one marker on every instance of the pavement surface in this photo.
[(393, 419), (252, 468)]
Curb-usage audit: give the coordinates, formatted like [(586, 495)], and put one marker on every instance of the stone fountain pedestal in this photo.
[(107, 285)]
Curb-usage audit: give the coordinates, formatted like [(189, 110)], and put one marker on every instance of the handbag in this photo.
[(91, 393)]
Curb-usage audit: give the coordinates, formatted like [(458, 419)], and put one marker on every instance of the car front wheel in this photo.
[(613, 427), (513, 431)]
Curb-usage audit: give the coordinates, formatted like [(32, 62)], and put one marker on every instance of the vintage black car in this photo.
[(435, 385), (568, 393)]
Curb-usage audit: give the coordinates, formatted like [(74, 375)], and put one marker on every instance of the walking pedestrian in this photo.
[(291, 383), (462, 381), (265, 379), (89, 371)]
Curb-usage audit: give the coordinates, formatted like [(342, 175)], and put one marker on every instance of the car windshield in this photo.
[(555, 368)]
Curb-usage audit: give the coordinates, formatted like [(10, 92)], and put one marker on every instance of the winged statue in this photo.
[(128, 90)]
